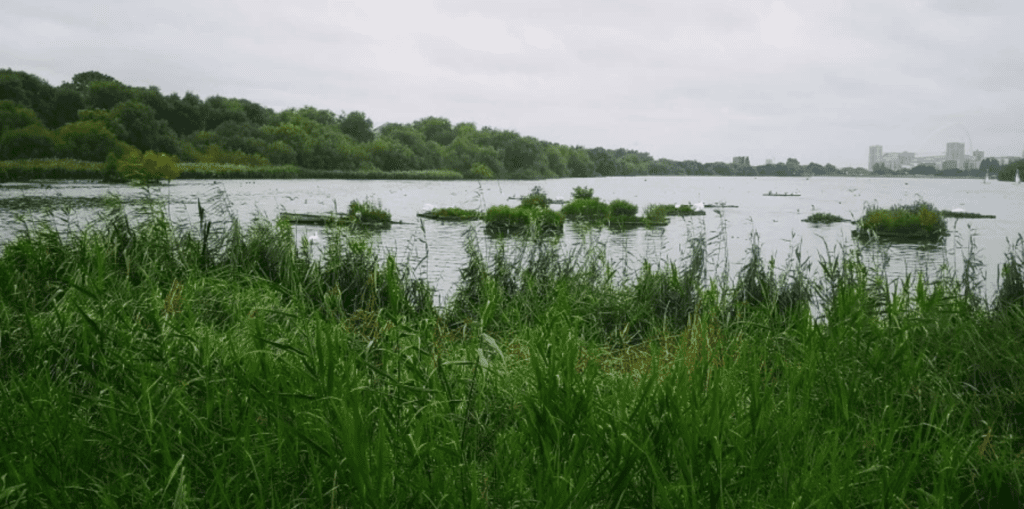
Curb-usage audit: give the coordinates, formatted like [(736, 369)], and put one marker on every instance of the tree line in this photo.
[(95, 117)]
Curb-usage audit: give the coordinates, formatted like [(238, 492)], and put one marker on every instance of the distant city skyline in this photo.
[(954, 157)]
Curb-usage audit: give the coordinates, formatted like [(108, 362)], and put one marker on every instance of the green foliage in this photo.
[(451, 213), (536, 199), (1011, 284), (1009, 172), (655, 213), (920, 220), (170, 360), (215, 154), (582, 192), (823, 218), (587, 209), (622, 209), (358, 126), (502, 219), (480, 171), (369, 211), (14, 116), (86, 140), (147, 168), (33, 141)]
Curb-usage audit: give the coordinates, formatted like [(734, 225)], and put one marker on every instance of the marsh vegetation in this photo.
[(148, 365), (917, 221)]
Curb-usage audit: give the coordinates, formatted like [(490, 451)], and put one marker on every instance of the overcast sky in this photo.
[(818, 80)]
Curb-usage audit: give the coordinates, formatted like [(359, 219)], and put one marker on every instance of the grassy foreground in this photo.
[(145, 366)]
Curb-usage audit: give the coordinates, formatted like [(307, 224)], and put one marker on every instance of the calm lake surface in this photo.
[(436, 248)]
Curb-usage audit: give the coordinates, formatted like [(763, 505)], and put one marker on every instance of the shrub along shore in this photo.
[(146, 365)]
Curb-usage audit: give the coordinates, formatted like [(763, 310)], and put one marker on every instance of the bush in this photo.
[(823, 218), (31, 142), (147, 168), (369, 212), (920, 220), (480, 171), (622, 209), (586, 209), (537, 198), (582, 193), (505, 219), (88, 140), (655, 213)]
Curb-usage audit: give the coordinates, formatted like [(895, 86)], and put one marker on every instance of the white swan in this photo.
[(699, 206), (313, 239)]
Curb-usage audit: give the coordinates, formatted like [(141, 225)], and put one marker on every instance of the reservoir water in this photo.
[(436, 248)]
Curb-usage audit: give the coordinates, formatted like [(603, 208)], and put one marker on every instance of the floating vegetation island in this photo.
[(680, 210), (451, 214), (823, 218), (959, 214), (360, 213), (915, 222)]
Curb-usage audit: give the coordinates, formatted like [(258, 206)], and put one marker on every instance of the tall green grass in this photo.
[(919, 220), (147, 364)]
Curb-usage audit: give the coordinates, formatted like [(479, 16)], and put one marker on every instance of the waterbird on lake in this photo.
[(313, 239)]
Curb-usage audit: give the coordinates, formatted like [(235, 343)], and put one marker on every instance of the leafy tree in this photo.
[(428, 153), (216, 110), (390, 154), (106, 118), (107, 94), (66, 103), (256, 113), (294, 136), (556, 161), (1008, 172), (142, 129), (922, 169), (280, 152), (578, 163), (479, 171), (989, 164), (89, 140), (436, 129), (521, 154), (30, 142), (185, 114), (82, 80), (358, 126), (244, 136), (322, 117), (28, 90), (148, 168), (15, 116)]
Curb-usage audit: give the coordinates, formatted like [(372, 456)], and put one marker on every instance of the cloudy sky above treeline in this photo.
[(818, 80)]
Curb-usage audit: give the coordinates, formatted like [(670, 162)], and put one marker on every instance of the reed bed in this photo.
[(917, 221), (146, 364)]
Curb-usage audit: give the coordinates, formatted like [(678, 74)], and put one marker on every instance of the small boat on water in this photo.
[(773, 193)]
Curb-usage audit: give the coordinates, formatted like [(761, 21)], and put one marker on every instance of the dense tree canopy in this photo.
[(95, 115)]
